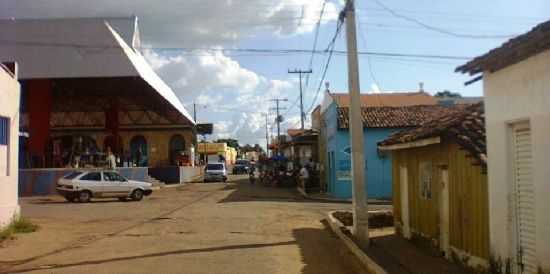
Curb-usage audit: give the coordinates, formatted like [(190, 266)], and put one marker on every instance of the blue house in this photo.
[(383, 114)]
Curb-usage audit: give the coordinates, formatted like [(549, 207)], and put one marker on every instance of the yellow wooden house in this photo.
[(440, 184)]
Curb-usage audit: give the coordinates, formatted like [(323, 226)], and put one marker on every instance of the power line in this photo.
[(315, 39), (247, 50), (438, 29), (330, 50), (371, 72)]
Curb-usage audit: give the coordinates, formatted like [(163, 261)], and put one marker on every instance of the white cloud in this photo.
[(375, 88), (188, 23), (205, 77)]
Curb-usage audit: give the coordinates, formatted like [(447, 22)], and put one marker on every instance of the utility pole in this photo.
[(195, 112), (266, 134), (279, 120), (360, 206), (300, 72)]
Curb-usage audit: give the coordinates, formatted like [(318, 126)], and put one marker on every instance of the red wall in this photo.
[(39, 105)]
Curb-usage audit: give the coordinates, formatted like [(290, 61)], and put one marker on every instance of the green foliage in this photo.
[(230, 142), (447, 93), (18, 225)]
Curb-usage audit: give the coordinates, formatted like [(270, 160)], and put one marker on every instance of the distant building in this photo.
[(9, 143), (516, 85), (440, 184), (211, 152)]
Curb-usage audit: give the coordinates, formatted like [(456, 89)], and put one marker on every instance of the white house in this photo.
[(9, 143), (516, 83)]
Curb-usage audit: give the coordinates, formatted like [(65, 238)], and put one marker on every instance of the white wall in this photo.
[(520, 91), (9, 107)]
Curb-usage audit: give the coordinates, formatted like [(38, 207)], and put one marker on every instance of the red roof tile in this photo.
[(396, 99), (464, 126), (394, 117)]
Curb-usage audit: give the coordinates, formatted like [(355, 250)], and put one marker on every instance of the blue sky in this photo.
[(232, 90)]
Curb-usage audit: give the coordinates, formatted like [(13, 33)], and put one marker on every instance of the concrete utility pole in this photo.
[(279, 120), (360, 206), (195, 112), (300, 72)]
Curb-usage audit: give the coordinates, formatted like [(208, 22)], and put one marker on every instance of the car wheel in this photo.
[(137, 195), (84, 196), (70, 199)]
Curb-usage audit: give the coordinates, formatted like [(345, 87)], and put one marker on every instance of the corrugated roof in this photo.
[(513, 51), (81, 48), (394, 99), (464, 126), (395, 117)]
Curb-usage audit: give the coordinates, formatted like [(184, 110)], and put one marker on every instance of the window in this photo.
[(4, 130), (425, 180), (72, 175), (92, 176), (113, 177), (214, 167)]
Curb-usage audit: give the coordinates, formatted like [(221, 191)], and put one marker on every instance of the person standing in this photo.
[(111, 159), (304, 176)]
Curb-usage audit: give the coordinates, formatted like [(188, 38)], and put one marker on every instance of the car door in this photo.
[(92, 181), (113, 184)]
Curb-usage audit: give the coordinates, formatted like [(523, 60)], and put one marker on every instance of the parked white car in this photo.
[(215, 172), (85, 185)]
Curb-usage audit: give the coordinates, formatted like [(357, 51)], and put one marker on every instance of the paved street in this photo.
[(196, 228)]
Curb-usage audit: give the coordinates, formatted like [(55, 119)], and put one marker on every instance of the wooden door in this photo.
[(444, 212), (404, 190)]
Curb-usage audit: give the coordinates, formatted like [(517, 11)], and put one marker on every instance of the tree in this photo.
[(230, 142), (447, 93)]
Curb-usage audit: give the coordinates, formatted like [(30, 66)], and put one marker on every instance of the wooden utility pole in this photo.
[(278, 120), (266, 134), (300, 72), (360, 206)]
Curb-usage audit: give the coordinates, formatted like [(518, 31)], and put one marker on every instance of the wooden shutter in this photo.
[(525, 200)]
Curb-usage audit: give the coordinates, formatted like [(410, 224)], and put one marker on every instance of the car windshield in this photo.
[(214, 167), (241, 162), (72, 175)]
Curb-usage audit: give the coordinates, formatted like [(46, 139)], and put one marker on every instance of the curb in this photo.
[(306, 196), (336, 226)]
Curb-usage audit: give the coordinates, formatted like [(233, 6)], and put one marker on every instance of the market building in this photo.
[(87, 89), (9, 132)]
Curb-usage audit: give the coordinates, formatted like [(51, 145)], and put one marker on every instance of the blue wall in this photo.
[(40, 182), (378, 167)]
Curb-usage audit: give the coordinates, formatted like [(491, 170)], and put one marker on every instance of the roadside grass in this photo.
[(20, 225)]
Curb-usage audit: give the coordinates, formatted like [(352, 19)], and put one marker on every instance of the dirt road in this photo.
[(197, 228)]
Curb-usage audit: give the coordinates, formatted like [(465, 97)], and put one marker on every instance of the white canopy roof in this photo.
[(80, 48)]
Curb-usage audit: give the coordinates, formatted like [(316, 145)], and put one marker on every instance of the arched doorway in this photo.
[(176, 148), (138, 149)]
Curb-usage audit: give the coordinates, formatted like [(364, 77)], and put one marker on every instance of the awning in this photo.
[(146, 72)]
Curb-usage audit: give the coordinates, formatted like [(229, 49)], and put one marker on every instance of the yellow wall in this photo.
[(468, 197)]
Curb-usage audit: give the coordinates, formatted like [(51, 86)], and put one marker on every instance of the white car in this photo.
[(85, 185), (215, 172)]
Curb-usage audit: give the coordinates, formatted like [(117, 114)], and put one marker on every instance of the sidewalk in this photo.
[(324, 197)]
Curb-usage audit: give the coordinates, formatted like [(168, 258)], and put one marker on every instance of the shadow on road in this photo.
[(322, 252), (243, 191), (150, 255)]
